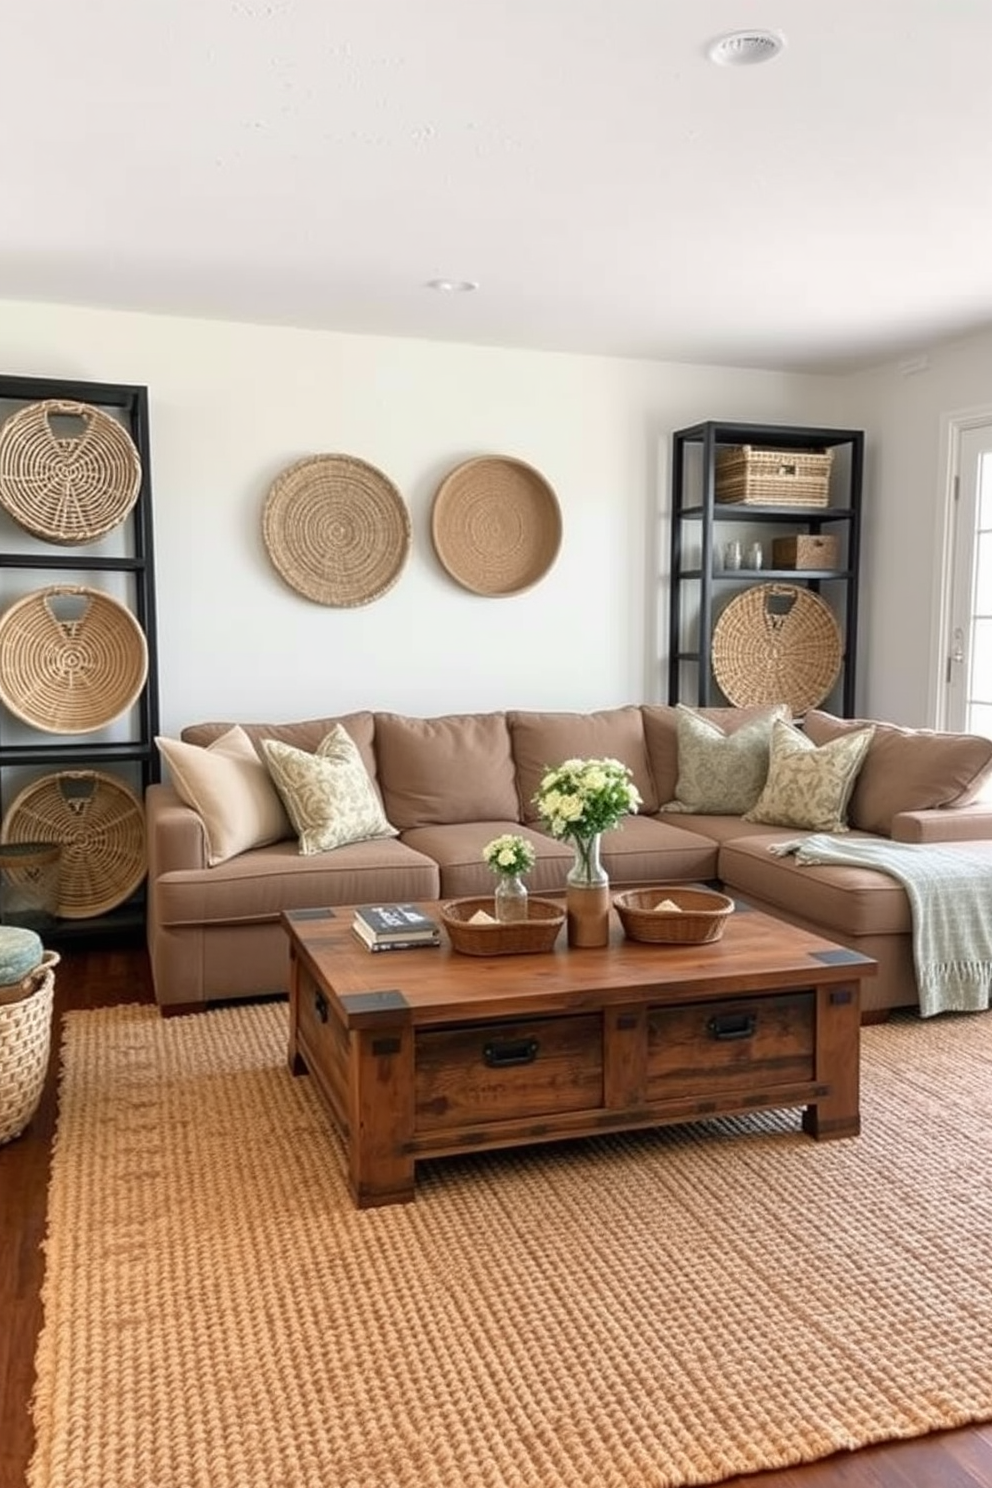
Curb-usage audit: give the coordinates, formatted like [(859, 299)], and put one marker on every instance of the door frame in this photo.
[(953, 425)]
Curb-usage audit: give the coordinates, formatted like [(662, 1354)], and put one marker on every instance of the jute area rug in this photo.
[(641, 1311)]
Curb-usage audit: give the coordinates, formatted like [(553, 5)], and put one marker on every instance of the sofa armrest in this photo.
[(175, 834), (944, 824)]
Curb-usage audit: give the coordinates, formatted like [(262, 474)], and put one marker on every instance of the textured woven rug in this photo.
[(652, 1310)]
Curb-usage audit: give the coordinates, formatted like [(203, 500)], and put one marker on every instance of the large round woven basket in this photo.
[(25, 1040), (99, 823), (336, 529), (71, 659), (69, 473), (777, 643), (496, 525)]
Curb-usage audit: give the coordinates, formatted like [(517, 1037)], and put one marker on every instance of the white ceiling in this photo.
[(316, 162)]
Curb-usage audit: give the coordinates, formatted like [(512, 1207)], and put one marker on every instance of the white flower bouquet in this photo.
[(583, 797), (509, 854)]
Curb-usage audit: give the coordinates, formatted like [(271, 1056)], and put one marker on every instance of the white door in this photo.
[(968, 667)]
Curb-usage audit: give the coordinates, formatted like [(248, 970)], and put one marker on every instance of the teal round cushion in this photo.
[(21, 951)]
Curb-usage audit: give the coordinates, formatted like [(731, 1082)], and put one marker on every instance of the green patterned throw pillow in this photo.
[(329, 796), (807, 786), (721, 773)]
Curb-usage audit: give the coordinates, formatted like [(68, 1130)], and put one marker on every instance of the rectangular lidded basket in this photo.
[(766, 477), (807, 550)]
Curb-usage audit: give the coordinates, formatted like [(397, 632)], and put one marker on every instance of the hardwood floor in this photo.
[(102, 977)]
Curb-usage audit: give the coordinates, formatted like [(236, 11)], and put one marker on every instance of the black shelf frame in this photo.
[(130, 401), (710, 436)]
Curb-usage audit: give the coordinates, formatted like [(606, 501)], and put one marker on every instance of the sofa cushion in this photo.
[(543, 740), (306, 734), (661, 736), (329, 796), (907, 769), (809, 786), (457, 850), (453, 768), (721, 773), (229, 787)]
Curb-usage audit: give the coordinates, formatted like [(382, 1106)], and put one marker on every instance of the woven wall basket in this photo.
[(68, 473), (336, 529), (71, 659), (99, 823), (496, 525), (777, 643)]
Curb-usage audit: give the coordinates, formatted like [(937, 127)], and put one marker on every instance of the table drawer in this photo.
[(746, 1043), (502, 1071)]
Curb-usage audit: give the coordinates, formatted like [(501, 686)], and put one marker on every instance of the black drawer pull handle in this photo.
[(732, 1026), (510, 1051), (320, 1006)]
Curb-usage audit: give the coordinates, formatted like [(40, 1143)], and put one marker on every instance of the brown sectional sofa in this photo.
[(449, 784)]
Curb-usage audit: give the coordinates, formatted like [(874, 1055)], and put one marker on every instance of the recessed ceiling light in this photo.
[(745, 48), (453, 286)]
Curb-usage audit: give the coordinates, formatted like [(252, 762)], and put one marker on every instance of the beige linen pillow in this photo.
[(329, 795), (907, 769), (808, 786), (229, 786), (721, 774)]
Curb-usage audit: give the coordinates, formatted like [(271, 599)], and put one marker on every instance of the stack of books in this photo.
[(395, 927)]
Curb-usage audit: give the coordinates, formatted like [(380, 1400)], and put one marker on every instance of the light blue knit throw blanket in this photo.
[(950, 894)]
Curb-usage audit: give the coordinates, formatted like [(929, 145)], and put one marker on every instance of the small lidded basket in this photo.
[(673, 915)]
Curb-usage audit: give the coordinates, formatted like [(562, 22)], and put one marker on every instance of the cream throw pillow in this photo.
[(721, 773), (809, 786), (329, 796), (229, 787)]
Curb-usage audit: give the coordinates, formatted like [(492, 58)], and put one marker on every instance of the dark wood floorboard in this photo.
[(103, 977)]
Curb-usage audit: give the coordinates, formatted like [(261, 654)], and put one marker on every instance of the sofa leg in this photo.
[(180, 1009), (874, 1015)]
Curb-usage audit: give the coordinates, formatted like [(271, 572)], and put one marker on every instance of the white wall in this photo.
[(233, 405), (905, 417)]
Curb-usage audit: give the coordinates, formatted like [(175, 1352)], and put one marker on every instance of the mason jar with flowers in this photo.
[(579, 800), (510, 857)]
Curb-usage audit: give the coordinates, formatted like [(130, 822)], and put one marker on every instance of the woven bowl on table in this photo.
[(69, 473), (98, 822), (512, 938), (777, 643), (700, 917), (71, 659)]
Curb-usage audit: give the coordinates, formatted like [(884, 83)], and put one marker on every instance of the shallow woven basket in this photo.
[(701, 916), (496, 525), (99, 823), (69, 487), (336, 529), (71, 659), (777, 643), (518, 937), (25, 1038)]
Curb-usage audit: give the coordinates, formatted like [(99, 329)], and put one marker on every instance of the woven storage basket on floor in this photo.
[(25, 1040), (763, 477), (516, 937), (336, 529), (777, 643), (99, 823), (700, 917), (71, 659), (67, 488)]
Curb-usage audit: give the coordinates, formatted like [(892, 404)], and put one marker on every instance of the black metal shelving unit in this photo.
[(699, 585), (135, 759)]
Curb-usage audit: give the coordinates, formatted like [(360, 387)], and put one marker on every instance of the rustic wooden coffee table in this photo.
[(428, 1052)]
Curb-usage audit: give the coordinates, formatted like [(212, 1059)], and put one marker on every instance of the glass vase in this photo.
[(587, 895), (510, 898)]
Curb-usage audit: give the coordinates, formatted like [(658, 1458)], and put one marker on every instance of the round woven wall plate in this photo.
[(336, 529), (777, 643), (98, 822), (69, 473), (496, 525), (71, 659)]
